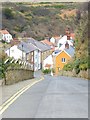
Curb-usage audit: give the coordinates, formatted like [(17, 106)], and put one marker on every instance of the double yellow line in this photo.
[(5, 105)]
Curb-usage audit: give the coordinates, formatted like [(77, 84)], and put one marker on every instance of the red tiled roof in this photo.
[(47, 65), (47, 42), (72, 35), (53, 48), (16, 39), (56, 37), (4, 31)]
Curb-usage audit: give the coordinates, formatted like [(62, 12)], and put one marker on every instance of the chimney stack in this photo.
[(67, 45), (68, 33)]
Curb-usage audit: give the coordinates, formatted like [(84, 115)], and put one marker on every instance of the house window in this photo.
[(32, 59), (63, 60), (12, 51), (60, 45), (36, 57)]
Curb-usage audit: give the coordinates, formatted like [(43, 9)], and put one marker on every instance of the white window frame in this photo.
[(63, 60)]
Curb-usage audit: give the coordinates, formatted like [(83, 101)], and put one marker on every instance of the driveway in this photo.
[(54, 97)]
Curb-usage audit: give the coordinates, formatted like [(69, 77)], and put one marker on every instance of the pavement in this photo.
[(7, 91), (54, 97)]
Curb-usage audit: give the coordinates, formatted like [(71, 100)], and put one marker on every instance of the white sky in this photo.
[(44, 0)]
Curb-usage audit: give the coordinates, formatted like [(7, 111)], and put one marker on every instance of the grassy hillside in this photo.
[(39, 20)]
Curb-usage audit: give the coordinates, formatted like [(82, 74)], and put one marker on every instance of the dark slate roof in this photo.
[(57, 51), (41, 46), (26, 47), (70, 51)]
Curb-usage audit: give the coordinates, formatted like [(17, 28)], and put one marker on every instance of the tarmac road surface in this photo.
[(53, 97)]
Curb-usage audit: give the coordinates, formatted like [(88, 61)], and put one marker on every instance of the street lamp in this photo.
[(22, 52)]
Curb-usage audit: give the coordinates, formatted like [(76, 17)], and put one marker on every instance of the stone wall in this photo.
[(82, 74), (16, 75)]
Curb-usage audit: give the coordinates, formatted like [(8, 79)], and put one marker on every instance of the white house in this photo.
[(15, 52), (26, 52), (52, 40), (43, 51), (62, 41), (37, 60), (5, 36), (48, 62)]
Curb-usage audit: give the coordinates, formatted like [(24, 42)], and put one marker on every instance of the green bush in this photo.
[(76, 66), (77, 70), (68, 67), (83, 66), (2, 41), (8, 13), (76, 63), (46, 71), (58, 6)]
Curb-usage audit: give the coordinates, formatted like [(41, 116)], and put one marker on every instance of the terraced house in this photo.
[(44, 50), (31, 52)]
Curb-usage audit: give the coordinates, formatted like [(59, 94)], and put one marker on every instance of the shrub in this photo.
[(76, 63), (83, 66), (68, 67), (46, 71), (8, 13), (76, 66), (58, 6), (22, 10), (2, 41), (77, 70)]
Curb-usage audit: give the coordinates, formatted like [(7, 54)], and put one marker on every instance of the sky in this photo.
[(44, 0)]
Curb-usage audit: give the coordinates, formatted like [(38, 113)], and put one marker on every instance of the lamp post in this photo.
[(22, 52)]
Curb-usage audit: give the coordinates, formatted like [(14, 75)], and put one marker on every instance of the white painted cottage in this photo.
[(48, 62), (26, 52), (15, 52), (5, 36), (62, 41)]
